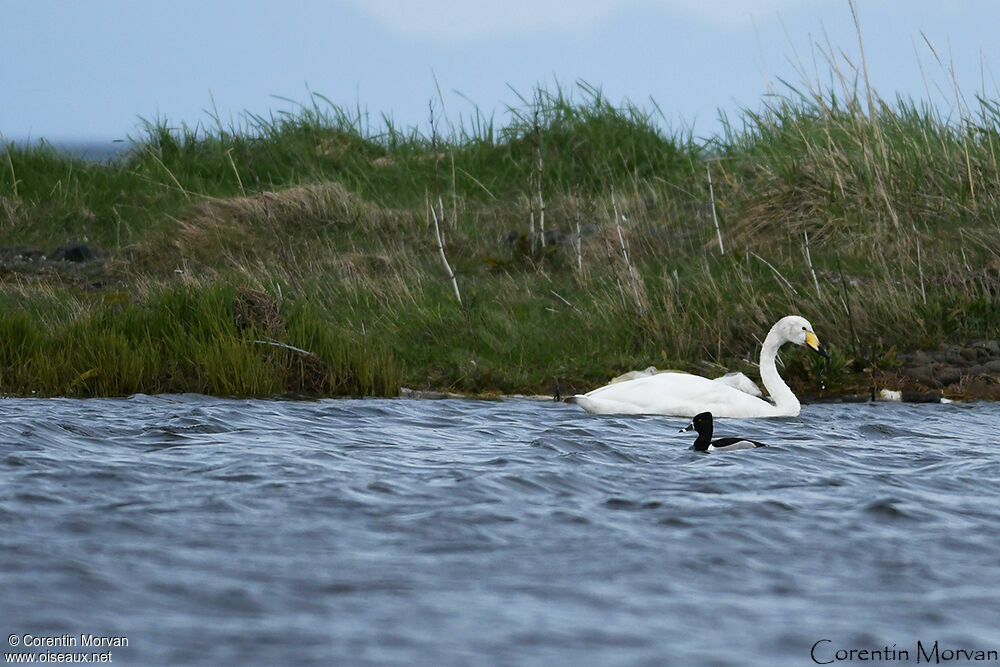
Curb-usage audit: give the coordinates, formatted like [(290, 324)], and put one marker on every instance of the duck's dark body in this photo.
[(702, 423)]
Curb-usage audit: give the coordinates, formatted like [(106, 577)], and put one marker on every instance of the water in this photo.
[(92, 150), (211, 531)]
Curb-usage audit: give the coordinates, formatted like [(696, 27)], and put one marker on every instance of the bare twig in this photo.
[(560, 297), (538, 174), (447, 266), (434, 214), (628, 262), (776, 272), (531, 219), (920, 266), (711, 195), (579, 245), (285, 346), (811, 269), (478, 182)]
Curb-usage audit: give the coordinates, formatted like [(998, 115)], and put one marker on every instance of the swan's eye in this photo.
[(803, 328)]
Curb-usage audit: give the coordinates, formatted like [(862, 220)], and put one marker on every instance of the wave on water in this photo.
[(214, 531)]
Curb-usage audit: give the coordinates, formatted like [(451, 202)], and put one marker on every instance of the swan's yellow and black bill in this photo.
[(813, 342)]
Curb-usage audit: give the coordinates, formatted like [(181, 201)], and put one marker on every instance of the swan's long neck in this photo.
[(784, 400)]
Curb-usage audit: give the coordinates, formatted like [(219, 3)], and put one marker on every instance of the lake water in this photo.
[(93, 150), (213, 531)]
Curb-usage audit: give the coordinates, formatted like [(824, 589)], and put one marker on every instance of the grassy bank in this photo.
[(212, 340), (577, 241)]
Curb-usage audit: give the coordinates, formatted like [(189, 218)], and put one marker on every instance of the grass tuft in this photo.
[(297, 254)]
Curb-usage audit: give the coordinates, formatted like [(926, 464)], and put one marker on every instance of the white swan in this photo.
[(736, 380), (684, 395)]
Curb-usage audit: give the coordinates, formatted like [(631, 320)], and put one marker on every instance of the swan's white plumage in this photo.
[(740, 381), (631, 375), (735, 380), (675, 394), (684, 395)]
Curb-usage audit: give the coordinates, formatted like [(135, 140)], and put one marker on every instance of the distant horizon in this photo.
[(108, 146), (95, 150), (91, 72)]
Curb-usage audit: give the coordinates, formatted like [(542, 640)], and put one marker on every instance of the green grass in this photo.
[(330, 218), (189, 340)]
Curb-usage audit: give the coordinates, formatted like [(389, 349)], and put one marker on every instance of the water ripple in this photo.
[(372, 531)]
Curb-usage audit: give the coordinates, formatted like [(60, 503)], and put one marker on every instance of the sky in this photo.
[(91, 71)]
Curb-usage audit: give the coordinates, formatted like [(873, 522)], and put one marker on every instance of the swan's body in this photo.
[(735, 380), (703, 424), (740, 381), (684, 395)]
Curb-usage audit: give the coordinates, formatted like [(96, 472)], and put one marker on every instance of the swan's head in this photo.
[(795, 329)]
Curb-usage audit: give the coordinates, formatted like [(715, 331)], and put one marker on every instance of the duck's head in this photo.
[(702, 423), (795, 329)]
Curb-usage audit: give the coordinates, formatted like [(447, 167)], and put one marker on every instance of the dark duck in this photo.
[(702, 423)]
